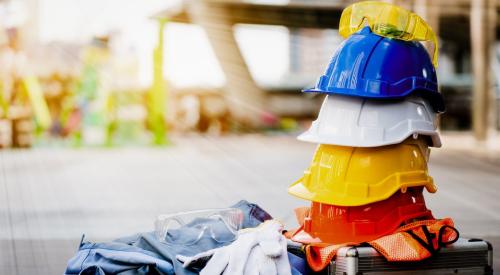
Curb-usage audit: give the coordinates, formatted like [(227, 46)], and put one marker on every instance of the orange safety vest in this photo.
[(415, 241)]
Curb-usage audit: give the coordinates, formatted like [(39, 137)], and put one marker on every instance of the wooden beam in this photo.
[(246, 100), (482, 22), (294, 15)]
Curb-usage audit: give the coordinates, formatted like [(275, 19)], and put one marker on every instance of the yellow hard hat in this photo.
[(352, 176)]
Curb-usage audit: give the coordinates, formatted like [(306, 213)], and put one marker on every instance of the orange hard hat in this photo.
[(330, 224)]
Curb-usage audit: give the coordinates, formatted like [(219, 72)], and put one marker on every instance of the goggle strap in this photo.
[(436, 52), (424, 32), (344, 26)]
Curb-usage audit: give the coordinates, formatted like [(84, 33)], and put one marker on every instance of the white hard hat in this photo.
[(360, 122)]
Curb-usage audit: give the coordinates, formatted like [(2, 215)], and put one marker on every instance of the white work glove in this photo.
[(270, 257), (260, 250)]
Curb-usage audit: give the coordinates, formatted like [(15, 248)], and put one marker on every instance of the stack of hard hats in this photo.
[(374, 131)]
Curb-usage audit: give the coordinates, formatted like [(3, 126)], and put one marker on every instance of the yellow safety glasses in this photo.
[(387, 20)]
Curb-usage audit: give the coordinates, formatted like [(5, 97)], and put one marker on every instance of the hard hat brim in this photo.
[(435, 140), (300, 190), (436, 100)]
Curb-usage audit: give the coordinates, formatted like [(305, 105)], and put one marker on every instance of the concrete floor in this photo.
[(49, 197)]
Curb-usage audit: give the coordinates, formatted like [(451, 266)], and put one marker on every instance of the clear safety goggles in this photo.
[(187, 228), (389, 21)]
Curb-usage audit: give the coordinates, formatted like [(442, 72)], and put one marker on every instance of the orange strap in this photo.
[(412, 242)]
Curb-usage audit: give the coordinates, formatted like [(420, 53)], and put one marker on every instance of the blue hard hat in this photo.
[(371, 66)]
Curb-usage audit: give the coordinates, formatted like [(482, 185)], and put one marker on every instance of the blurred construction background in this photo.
[(126, 109), (114, 72)]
